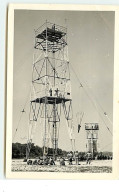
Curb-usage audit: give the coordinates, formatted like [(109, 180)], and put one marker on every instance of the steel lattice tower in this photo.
[(50, 87), (92, 137)]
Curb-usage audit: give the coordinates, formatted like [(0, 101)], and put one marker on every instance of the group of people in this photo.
[(41, 161), (77, 158), (50, 160)]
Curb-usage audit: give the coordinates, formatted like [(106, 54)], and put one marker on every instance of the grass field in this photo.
[(102, 166)]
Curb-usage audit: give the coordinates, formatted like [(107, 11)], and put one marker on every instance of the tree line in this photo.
[(19, 151)]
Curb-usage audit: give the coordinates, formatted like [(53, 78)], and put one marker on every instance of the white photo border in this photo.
[(10, 50)]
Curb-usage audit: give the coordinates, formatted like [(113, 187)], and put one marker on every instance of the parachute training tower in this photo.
[(50, 87), (92, 138)]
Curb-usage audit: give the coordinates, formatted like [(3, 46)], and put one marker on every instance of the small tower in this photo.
[(92, 137), (50, 87)]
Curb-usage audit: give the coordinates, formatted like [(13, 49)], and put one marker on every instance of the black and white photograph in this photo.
[(62, 93)]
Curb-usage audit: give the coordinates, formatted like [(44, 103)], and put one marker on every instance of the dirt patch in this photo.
[(95, 167)]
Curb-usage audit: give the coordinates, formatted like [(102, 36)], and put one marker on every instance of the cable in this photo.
[(20, 117), (106, 146), (102, 108), (90, 100), (99, 105), (17, 126)]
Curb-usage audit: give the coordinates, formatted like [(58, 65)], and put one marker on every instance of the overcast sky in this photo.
[(91, 54)]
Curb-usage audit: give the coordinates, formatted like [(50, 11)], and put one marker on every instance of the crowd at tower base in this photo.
[(63, 157), (70, 159)]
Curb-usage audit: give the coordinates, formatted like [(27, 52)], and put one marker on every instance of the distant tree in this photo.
[(19, 151)]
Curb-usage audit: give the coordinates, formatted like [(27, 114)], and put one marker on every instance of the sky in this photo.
[(91, 56)]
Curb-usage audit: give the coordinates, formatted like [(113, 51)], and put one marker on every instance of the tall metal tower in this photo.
[(50, 87), (92, 137)]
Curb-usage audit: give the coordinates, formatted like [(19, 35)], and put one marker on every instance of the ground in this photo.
[(102, 166)]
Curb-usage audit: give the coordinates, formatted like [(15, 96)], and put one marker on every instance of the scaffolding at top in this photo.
[(53, 34)]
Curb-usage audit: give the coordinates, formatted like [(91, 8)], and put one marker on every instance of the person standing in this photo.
[(88, 158), (70, 156)]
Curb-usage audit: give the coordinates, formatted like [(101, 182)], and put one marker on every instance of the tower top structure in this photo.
[(51, 33)]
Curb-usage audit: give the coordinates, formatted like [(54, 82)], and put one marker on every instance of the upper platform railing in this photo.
[(50, 26)]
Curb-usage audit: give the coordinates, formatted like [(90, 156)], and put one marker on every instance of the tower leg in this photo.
[(55, 139), (69, 122)]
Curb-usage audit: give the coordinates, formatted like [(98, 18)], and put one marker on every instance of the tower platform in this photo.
[(52, 35), (51, 100)]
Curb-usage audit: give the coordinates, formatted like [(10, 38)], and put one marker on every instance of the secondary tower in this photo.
[(92, 137)]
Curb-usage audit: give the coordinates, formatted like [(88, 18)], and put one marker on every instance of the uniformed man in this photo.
[(88, 158)]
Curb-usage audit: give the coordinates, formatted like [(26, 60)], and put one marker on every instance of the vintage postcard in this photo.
[(62, 92)]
